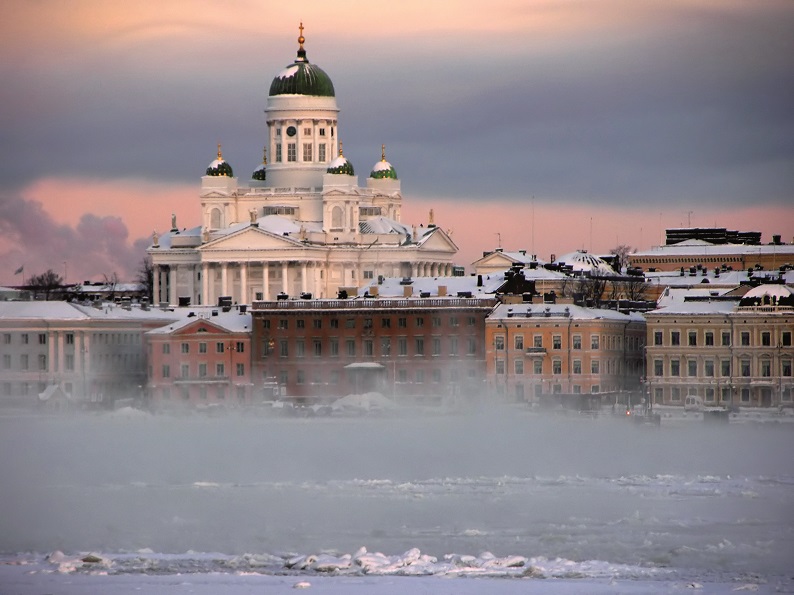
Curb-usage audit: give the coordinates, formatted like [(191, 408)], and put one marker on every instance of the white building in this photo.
[(302, 224)]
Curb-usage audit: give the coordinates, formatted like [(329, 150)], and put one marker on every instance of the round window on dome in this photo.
[(291, 131)]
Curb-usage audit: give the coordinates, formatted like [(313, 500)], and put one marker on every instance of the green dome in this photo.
[(260, 173), (383, 169), (220, 167), (340, 165), (302, 78)]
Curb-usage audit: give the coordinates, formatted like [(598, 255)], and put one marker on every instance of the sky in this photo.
[(548, 126)]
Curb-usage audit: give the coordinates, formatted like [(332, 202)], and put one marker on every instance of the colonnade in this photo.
[(246, 281)]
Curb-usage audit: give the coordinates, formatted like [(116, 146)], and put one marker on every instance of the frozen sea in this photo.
[(500, 502)]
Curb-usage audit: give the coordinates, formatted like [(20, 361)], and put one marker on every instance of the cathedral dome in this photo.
[(383, 169), (301, 77), (340, 165), (219, 167), (260, 173)]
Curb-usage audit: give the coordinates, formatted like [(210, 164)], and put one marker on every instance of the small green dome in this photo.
[(260, 173), (220, 167), (340, 165), (383, 169)]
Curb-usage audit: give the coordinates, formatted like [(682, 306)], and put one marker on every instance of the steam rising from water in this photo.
[(718, 499)]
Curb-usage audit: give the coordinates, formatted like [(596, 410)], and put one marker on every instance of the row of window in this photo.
[(709, 367), (433, 346), (220, 347), (612, 342), (368, 323), (218, 391), (292, 154), (102, 338), (402, 376), (202, 369), (708, 339), (710, 394), (612, 366)]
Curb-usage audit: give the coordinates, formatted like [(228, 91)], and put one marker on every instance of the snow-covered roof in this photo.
[(586, 263), (698, 307), (233, 321), (504, 311), (775, 290), (383, 225), (677, 295), (692, 247), (394, 287), (66, 311)]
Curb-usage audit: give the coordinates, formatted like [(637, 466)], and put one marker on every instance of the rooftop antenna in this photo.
[(499, 240), (533, 224), (689, 218)]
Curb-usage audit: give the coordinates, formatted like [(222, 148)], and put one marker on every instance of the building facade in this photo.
[(411, 349), (538, 350), (726, 352), (201, 360), (302, 224)]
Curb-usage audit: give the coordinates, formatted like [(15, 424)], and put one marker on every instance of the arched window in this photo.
[(215, 218)]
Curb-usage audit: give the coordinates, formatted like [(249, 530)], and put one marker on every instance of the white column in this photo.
[(61, 355), (304, 279), (225, 278), (244, 283), (172, 298), (205, 283), (156, 284), (284, 277), (191, 286), (266, 280), (414, 269)]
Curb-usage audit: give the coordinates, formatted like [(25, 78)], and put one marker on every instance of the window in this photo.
[(577, 341), (24, 338), (453, 321), (595, 367), (220, 370), (351, 347), (385, 346), (675, 338), (69, 362), (436, 346), (420, 322), (436, 321), (7, 361), (453, 346), (202, 348), (283, 348), (657, 337), (556, 342), (745, 338), (785, 367), (675, 367), (402, 346), (291, 152), (518, 341), (556, 366), (500, 366), (184, 370), (42, 338), (7, 338), (334, 347), (317, 323), (317, 347), (710, 394), (369, 347), (307, 151), (537, 366), (202, 370), (321, 152), (471, 321), (322, 131), (537, 341), (692, 367), (708, 367), (594, 341), (692, 338), (185, 347), (726, 339), (745, 368), (166, 348), (726, 394), (300, 323), (499, 342), (283, 324), (766, 338), (334, 323), (786, 338), (42, 362), (675, 394), (241, 369), (420, 376), (518, 366), (402, 322), (278, 151), (471, 346), (220, 347), (766, 368), (300, 377), (367, 323), (69, 338), (725, 368), (709, 338), (745, 395), (577, 366), (300, 348), (658, 369), (420, 346)]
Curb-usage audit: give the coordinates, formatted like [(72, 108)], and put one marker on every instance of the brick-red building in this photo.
[(201, 360), (411, 348)]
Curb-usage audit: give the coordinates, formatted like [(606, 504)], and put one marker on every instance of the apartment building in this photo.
[(200, 360), (410, 349), (95, 354), (727, 352), (537, 350)]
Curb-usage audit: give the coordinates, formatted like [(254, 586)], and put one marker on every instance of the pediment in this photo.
[(216, 194), (495, 259), (251, 238), (438, 241)]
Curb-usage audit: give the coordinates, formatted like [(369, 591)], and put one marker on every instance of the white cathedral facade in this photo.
[(302, 224)]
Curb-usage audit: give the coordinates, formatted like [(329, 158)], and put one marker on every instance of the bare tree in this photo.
[(592, 288), (45, 283), (111, 283), (146, 277), (621, 253), (635, 289)]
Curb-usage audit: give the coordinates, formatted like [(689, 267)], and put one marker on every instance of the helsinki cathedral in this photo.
[(301, 224)]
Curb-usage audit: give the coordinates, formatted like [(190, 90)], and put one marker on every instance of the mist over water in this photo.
[(715, 499)]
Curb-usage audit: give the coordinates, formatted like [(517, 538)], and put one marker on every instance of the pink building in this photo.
[(201, 360)]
